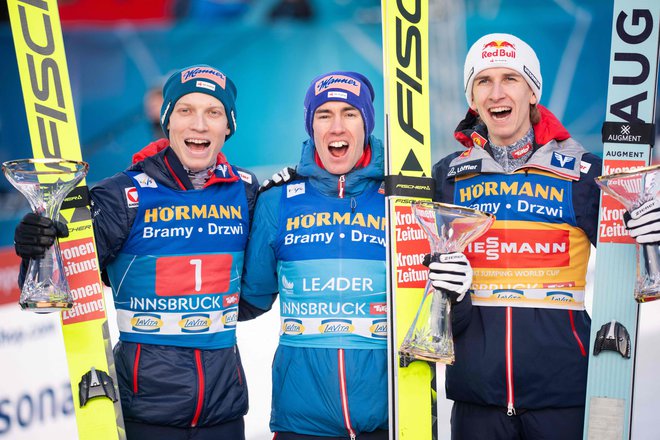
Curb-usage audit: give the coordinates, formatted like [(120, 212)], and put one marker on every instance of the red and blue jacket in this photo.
[(523, 333), (174, 258)]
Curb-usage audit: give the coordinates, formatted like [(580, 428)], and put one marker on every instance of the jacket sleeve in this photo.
[(259, 286), (586, 196), (111, 216), (251, 183), (461, 314), (444, 188)]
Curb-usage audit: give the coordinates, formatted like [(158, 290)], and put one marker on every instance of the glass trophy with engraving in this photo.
[(633, 189), (45, 183), (449, 228)]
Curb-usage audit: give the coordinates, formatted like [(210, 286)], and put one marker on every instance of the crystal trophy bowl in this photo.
[(449, 228), (45, 183), (633, 189)]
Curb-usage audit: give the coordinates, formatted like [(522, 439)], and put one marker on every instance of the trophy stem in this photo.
[(429, 337), (647, 288)]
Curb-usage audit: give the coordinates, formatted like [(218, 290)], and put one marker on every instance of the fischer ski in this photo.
[(628, 135), (408, 178), (44, 75)]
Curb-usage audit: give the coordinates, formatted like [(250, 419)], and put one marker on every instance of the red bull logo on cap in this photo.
[(498, 49), (204, 73), (337, 82)]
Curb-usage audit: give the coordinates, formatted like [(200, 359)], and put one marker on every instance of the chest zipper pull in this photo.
[(510, 410), (341, 185), (353, 205)]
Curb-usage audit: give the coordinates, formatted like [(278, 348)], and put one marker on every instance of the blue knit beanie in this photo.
[(203, 79), (350, 87)]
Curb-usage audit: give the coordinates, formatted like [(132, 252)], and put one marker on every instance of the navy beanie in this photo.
[(350, 87), (203, 79)]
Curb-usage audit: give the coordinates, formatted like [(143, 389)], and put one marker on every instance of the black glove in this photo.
[(644, 222), (34, 234), (285, 175), (450, 273)]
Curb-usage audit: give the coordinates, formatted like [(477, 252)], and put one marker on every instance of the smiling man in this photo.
[(170, 233), (319, 241), (520, 327)]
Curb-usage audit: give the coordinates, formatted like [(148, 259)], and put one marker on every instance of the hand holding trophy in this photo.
[(45, 183), (638, 191), (449, 229)]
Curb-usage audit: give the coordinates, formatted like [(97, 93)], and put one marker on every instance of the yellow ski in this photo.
[(408, 178), (37, 35)]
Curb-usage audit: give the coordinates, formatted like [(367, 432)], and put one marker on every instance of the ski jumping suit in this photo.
[(174, 257), (522, 335), (320, 242)]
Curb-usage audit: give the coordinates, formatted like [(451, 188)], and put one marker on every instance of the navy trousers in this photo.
[(472, 422), (233, 430), (375, 435)]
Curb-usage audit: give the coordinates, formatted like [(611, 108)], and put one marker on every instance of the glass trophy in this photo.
[(45, 183), (449, 228), (633, 189)]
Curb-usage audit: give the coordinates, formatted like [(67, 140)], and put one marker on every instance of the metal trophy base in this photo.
[(45, 306), (409, 354), (647, 295)]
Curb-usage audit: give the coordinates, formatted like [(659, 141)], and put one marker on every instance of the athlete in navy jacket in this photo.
[(521, 332), (171, 233)]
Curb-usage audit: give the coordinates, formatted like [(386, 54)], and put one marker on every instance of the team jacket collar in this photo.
[(356, 180), (157, 159), (554, 150)]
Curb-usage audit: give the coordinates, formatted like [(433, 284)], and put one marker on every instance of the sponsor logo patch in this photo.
[(205, 85), (195, 323), (471, 167), (334, 94), (146, 322), (337, 82), (245, 177), (378, 328), (131, 197), (208, 73), (292, 327), (562, 161), (145, 181), (295, 189)]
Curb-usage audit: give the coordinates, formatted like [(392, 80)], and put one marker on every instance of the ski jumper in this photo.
[(174, 257), (522, 335), (320, 242)]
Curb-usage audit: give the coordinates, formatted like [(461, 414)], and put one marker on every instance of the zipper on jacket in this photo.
[(353, 205), (510, 409), (200, 388), (575, 333), (341, 186), (344, 393), (136, 364)]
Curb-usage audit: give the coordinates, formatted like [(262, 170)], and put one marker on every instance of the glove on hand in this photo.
[(644, 222), (285, 175), (451, 273), (35, 234)]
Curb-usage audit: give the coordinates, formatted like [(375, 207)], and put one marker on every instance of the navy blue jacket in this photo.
[(549, 346), (167, 385)]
